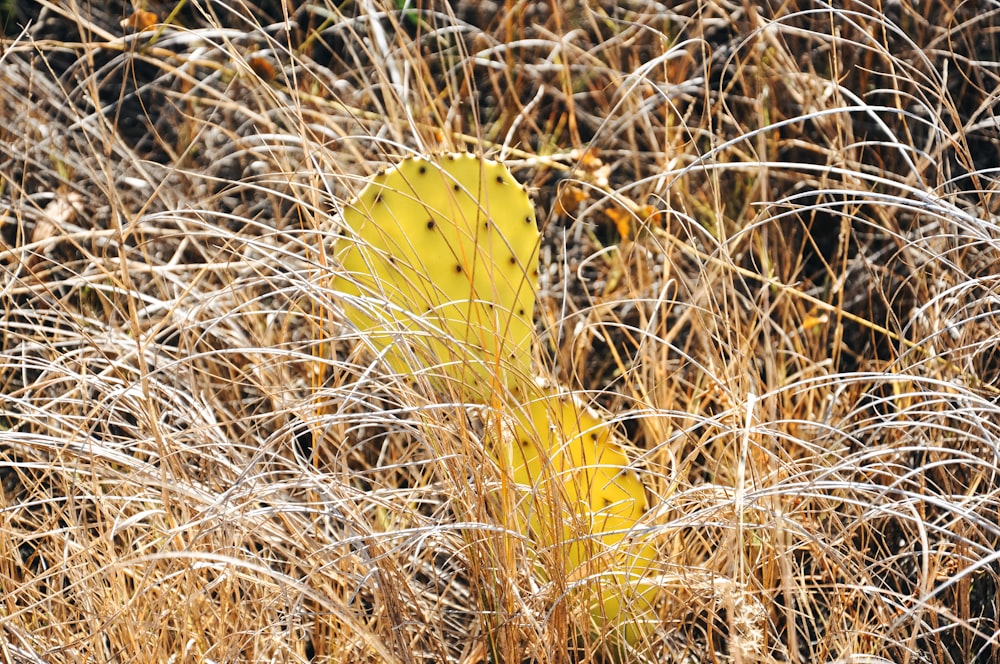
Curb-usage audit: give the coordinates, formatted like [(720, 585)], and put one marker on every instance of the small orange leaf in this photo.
[(811, 323), (621, 219), (140, 20), (263, 67), (569, 199)]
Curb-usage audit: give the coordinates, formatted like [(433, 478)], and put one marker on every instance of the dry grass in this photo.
[(770, 249)]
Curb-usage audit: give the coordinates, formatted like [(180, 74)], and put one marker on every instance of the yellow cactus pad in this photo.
[(445, 251), (439, 263), (581, 495)]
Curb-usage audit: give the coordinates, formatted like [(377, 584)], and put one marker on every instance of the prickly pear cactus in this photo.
[(446, 252), (583, 496)]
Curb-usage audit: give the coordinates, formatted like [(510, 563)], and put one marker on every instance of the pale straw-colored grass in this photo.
[(769, 251)]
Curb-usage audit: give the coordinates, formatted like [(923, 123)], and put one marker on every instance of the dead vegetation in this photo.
[(770, 246)]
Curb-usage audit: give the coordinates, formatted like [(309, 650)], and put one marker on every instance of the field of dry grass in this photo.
[(770, 251)]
